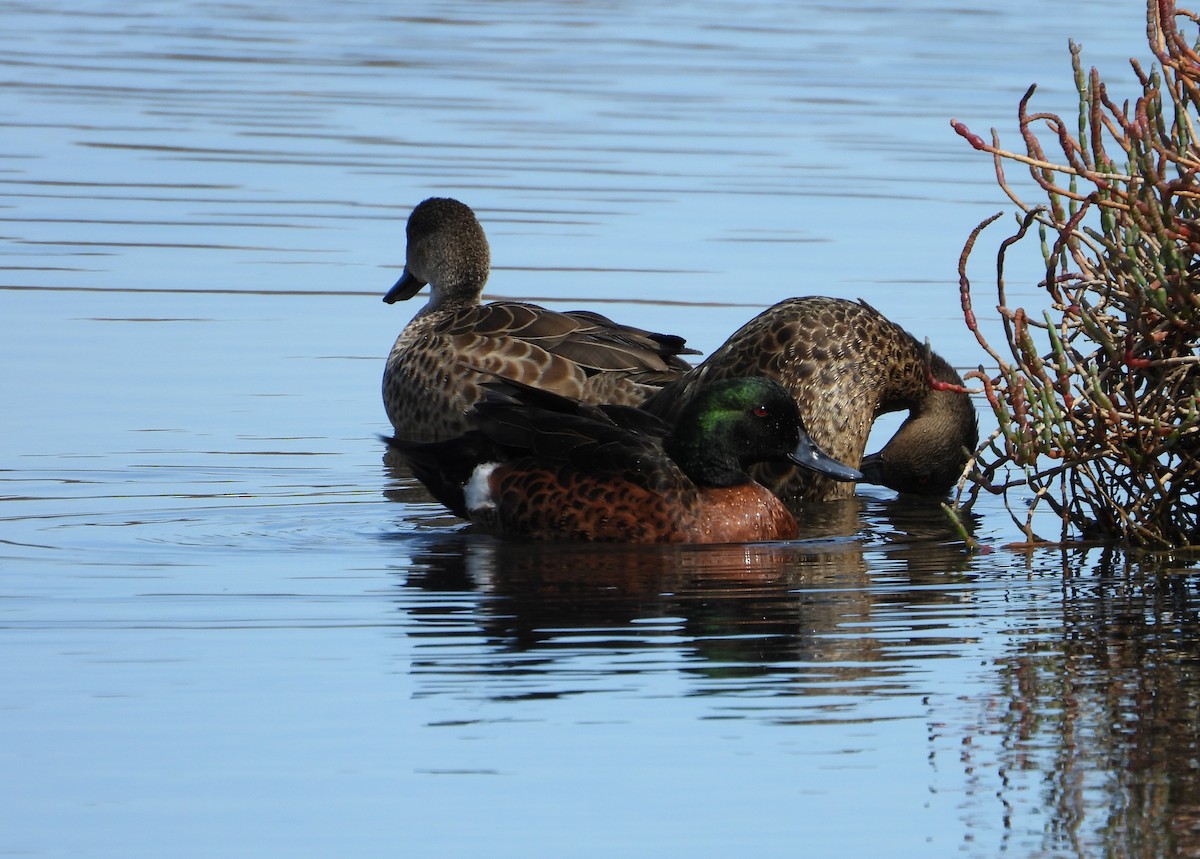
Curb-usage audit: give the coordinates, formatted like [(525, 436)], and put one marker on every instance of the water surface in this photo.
[(230, 629)]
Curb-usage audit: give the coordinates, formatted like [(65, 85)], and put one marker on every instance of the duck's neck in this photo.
[(705, 463), (930, 449), (449, 298), (944, 400)]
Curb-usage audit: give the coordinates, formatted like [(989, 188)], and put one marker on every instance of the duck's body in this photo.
[(544, 467), (845, 364), (529, 499), (454, 345)]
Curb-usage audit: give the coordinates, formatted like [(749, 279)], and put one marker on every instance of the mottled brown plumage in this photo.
[(845, 364), (441, 360), (562, 504), (548, 468)]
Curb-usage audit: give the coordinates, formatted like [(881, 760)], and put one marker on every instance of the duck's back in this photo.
[(441, 360)]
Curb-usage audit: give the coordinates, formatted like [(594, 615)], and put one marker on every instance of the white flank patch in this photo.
[(478, 492)]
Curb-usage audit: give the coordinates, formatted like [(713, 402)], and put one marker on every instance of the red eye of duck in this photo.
[(761, 411)]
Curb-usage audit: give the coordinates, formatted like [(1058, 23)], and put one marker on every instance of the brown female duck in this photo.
[(845, 364), (546, 467), (454, 344)]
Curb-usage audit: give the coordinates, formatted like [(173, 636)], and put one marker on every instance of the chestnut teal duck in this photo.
[(545, 467), (845, 364), (454, 344)]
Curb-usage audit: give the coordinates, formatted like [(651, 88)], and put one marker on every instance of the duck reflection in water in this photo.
[(754, 604)]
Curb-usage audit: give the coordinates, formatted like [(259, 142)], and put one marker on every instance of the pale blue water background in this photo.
[(228, 630)]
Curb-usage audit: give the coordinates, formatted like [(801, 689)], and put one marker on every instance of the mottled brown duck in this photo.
[(454, 344), (846, 364), (545, 467)]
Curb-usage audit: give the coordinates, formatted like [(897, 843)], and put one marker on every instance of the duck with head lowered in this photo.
[(442, 358), (845, 364)]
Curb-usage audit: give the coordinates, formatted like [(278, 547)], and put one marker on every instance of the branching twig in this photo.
[(1096, 399)]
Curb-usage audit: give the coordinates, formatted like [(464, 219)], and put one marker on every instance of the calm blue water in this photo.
[(229, 630)]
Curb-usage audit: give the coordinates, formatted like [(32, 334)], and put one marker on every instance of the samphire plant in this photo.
[(1096, 396)]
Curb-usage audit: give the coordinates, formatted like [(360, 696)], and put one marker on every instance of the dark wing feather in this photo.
[(603, 441), (499, 389), (589, 339)]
